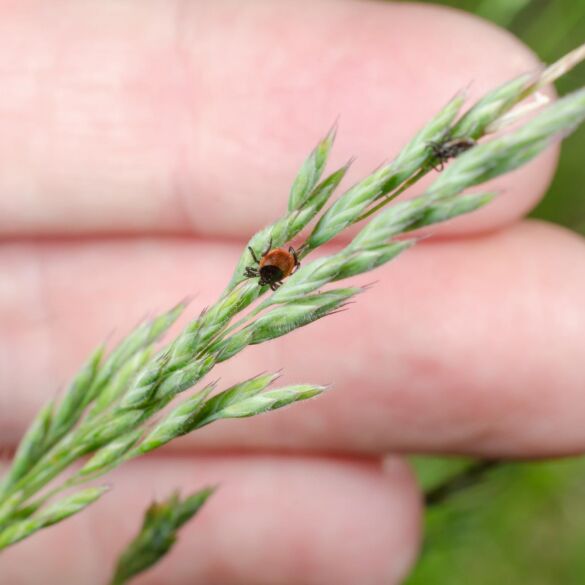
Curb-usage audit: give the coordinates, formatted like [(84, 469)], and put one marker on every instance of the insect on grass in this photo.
[(274, 265), (444, 150)]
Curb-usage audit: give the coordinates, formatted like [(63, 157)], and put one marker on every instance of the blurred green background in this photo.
[(524, 523)]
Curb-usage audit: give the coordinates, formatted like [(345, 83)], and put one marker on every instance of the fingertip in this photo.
[(283, 520), (220, 112), (490, 56), (394, 66), (401, 477)]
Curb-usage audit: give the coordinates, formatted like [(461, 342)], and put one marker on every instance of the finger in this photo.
[(470, 347), (161, 116), (293, 520)]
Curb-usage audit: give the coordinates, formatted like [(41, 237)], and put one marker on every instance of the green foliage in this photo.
[(57, 512), (158, 534), (310, 173), (522, 524)]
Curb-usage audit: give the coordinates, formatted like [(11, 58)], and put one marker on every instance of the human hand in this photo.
[(141, 145)]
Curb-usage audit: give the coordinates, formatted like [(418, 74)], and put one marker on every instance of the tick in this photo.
[(274, 266), (450, 148)]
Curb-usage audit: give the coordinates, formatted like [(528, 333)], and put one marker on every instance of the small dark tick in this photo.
[(444, 150)]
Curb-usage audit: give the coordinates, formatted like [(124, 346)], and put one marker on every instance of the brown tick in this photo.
[(274, 266)]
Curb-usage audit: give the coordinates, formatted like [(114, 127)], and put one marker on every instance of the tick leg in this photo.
[(294, 255), (436, 152), (269, 248), (253, 255), (251, 272)]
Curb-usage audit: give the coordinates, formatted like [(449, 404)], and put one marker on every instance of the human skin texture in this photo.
[(141, 144)]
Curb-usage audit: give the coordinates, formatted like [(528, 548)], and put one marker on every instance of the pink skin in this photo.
[(119, 121)]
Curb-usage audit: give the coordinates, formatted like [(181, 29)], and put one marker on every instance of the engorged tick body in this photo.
[(274, 266)]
